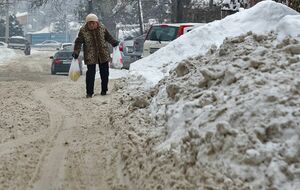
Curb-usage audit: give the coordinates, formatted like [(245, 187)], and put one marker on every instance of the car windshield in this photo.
[(70, 47), (162, 33), (64, 54)]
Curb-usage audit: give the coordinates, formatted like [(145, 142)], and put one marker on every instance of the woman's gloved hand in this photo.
[(75, 55)]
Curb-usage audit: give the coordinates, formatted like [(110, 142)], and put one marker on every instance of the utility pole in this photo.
[(141, 21), (7, 22), (66, 27), (90, 6), (179, 11)]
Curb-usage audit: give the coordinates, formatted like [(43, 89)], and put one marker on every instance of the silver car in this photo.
[(17, 42), (131, 50), (48, 45)]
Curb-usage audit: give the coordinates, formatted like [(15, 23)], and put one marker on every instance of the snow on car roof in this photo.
[(176, 24), (20, 37)]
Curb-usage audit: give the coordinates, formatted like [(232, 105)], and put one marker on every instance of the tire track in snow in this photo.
[(49, 173)]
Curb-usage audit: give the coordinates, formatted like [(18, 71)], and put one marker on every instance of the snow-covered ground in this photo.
[(6, 54)]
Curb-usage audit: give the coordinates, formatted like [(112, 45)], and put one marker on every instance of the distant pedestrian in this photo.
[(94, 37)]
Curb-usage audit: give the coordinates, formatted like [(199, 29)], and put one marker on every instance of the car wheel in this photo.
[(52, 70)]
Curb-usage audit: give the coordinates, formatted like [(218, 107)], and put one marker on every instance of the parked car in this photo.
[(48, 45), (65, 46), (126, 49), (17, 42), (138, 46), (61, 62), (130, 50), (3, 45), (70, 47), (2, 39), (159, 35)]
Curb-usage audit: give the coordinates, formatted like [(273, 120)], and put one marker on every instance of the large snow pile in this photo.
[(266, 16), (223, 109), (237, 111), (226, 120)]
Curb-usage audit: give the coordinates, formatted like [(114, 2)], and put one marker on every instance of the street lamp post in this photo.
[(7, 22)]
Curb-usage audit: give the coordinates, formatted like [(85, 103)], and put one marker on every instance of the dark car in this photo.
[(138, 46), (61, 62), (126, 49)]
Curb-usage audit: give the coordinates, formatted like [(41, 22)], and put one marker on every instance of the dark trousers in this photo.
[(90, 77)]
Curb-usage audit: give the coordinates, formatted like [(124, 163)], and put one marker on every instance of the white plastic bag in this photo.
[(74, 72), (116, 58)]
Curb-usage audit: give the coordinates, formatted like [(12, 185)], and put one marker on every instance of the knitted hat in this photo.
[(91, 17)]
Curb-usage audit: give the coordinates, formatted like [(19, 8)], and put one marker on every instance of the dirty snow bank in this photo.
[(226, 120), (262, 18), (237, 111)]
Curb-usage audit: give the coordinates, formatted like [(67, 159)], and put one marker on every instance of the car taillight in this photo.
[(121, 46), (57, 61)]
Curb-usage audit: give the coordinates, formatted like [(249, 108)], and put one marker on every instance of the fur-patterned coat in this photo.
[(94, 43)]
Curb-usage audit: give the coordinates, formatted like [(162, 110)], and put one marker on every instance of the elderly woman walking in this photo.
[(93, 37)]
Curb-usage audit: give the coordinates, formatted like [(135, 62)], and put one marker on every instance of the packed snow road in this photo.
[(52, 137)]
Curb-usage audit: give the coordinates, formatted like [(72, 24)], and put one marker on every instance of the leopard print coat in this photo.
[(94, 43)]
